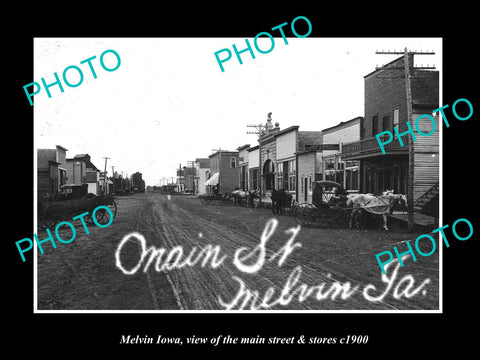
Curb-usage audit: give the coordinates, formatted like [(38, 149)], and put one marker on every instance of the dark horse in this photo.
[(252, 195), (280, 198)]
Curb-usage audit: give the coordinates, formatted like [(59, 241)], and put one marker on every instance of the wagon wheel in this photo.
[(309, 214), (50, 216), (296, 213), (101, 215)]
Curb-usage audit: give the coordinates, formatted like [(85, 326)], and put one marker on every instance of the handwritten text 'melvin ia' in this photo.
[(251, 262)]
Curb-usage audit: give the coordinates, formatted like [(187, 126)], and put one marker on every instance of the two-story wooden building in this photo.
[(81, 170), (243, 167), (51, 170), (223, 172), (278, 156), (202, 166), (386, 107)]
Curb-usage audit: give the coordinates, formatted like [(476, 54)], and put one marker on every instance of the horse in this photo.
[(239, 195), (381, 205), (251, 196), (279, 199)]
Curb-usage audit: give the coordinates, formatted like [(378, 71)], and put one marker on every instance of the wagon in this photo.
[(328, 207), (215, 200), (50, 213)]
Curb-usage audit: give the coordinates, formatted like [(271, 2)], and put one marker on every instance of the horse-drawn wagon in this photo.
[(365, 205), (215, 199), (50, 213), (328, 207)]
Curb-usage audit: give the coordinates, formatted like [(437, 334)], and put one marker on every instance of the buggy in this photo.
[(50, 213), (328, 207)]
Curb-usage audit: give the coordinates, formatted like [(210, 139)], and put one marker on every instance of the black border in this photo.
[(389, 333)]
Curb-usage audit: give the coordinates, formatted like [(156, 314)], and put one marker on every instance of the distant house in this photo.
[(189, 174), (243, 167), (186, 179), (81, 170), (51, 170), (202, 169)]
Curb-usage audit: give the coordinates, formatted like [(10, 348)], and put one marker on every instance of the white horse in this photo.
[(381, 205), (238, 196)]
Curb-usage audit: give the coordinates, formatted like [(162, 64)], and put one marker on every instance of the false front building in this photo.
[(278, 156), (223, 174), (386, 108)]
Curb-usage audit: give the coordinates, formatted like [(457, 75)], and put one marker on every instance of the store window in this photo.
[(351, 175), (374, 125), (386, 123), (396, 117), (292, 176), (254, 179), (285, 175), (279, 175)]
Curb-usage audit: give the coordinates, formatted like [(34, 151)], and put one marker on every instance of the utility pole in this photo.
[(113, 175), (260, 129), (105, 176), (411, 152)]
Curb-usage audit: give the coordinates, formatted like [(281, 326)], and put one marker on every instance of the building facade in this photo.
[(278, 156), (253, 154), (243, 167), (386, 107), (223, 171), (335, 168), (309, 169), (81, 170), (202, 166), (51, 170)]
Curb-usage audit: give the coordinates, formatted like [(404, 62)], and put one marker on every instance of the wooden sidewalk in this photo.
[(418, 219)]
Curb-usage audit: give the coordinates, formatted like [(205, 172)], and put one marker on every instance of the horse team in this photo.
[(360, 204), (280, 199)]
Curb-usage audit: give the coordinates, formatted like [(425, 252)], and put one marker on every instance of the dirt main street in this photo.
[(333, 269)]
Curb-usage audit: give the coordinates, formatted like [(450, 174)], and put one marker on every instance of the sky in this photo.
[(168, 102)]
